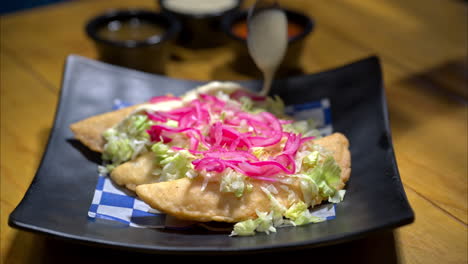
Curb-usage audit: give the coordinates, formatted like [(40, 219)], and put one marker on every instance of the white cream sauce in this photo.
[(199, 7), (267, 42)]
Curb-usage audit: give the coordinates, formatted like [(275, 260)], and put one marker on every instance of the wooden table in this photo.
[(422, 45)]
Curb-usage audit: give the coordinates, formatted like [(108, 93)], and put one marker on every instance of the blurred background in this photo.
[(409, 36), (14, 6)]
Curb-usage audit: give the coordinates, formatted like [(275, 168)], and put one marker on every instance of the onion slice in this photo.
[(221, 143)]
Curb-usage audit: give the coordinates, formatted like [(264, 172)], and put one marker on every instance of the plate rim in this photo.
[(15, 222)]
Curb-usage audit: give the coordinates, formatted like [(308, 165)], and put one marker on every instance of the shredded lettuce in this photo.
[(259, 152), (275, 105), (265, 222), (222, 116), (306, 218), (118, 150), (326, 175), (175, 167), (319, 177), (309, 189), (137, 125), (298, 127), (248, 187), (311, 159), (276, 207), (295, 210), (338, 197), (172, 123), (248, 105), (331, 171), (103, 170), (297, 214), (233, 182), (126, 141), (300, 215), (326, 190), (306, 128), (161, 151), (244, 228), (172, 165)]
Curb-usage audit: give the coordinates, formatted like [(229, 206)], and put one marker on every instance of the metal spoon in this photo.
[(267, 38)]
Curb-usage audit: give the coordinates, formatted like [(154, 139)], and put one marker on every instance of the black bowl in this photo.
[(291, 62), (147, 55), (201, 30)]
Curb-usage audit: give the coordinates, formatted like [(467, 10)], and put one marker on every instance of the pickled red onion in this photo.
[(225, 144), (241, 93), (163, 98)]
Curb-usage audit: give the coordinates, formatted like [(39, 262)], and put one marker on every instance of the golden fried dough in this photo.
[(339, 145), (89, 131), (185, 198), (138, 171)]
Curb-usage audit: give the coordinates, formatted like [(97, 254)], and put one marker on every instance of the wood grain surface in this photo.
[(422, 45)]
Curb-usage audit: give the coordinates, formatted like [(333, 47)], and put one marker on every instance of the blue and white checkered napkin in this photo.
[(116, 203)]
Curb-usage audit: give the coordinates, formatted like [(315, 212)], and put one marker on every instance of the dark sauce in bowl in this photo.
[(133, 38), (133, 29)]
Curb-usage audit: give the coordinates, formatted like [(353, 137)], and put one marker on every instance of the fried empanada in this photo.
[(186, 199), (201, 198), (135, 172), (89, 131)]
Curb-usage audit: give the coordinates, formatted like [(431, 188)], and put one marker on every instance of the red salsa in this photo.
[(240, 29)]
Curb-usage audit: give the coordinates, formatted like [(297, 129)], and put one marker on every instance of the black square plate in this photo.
[(59, 197)]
